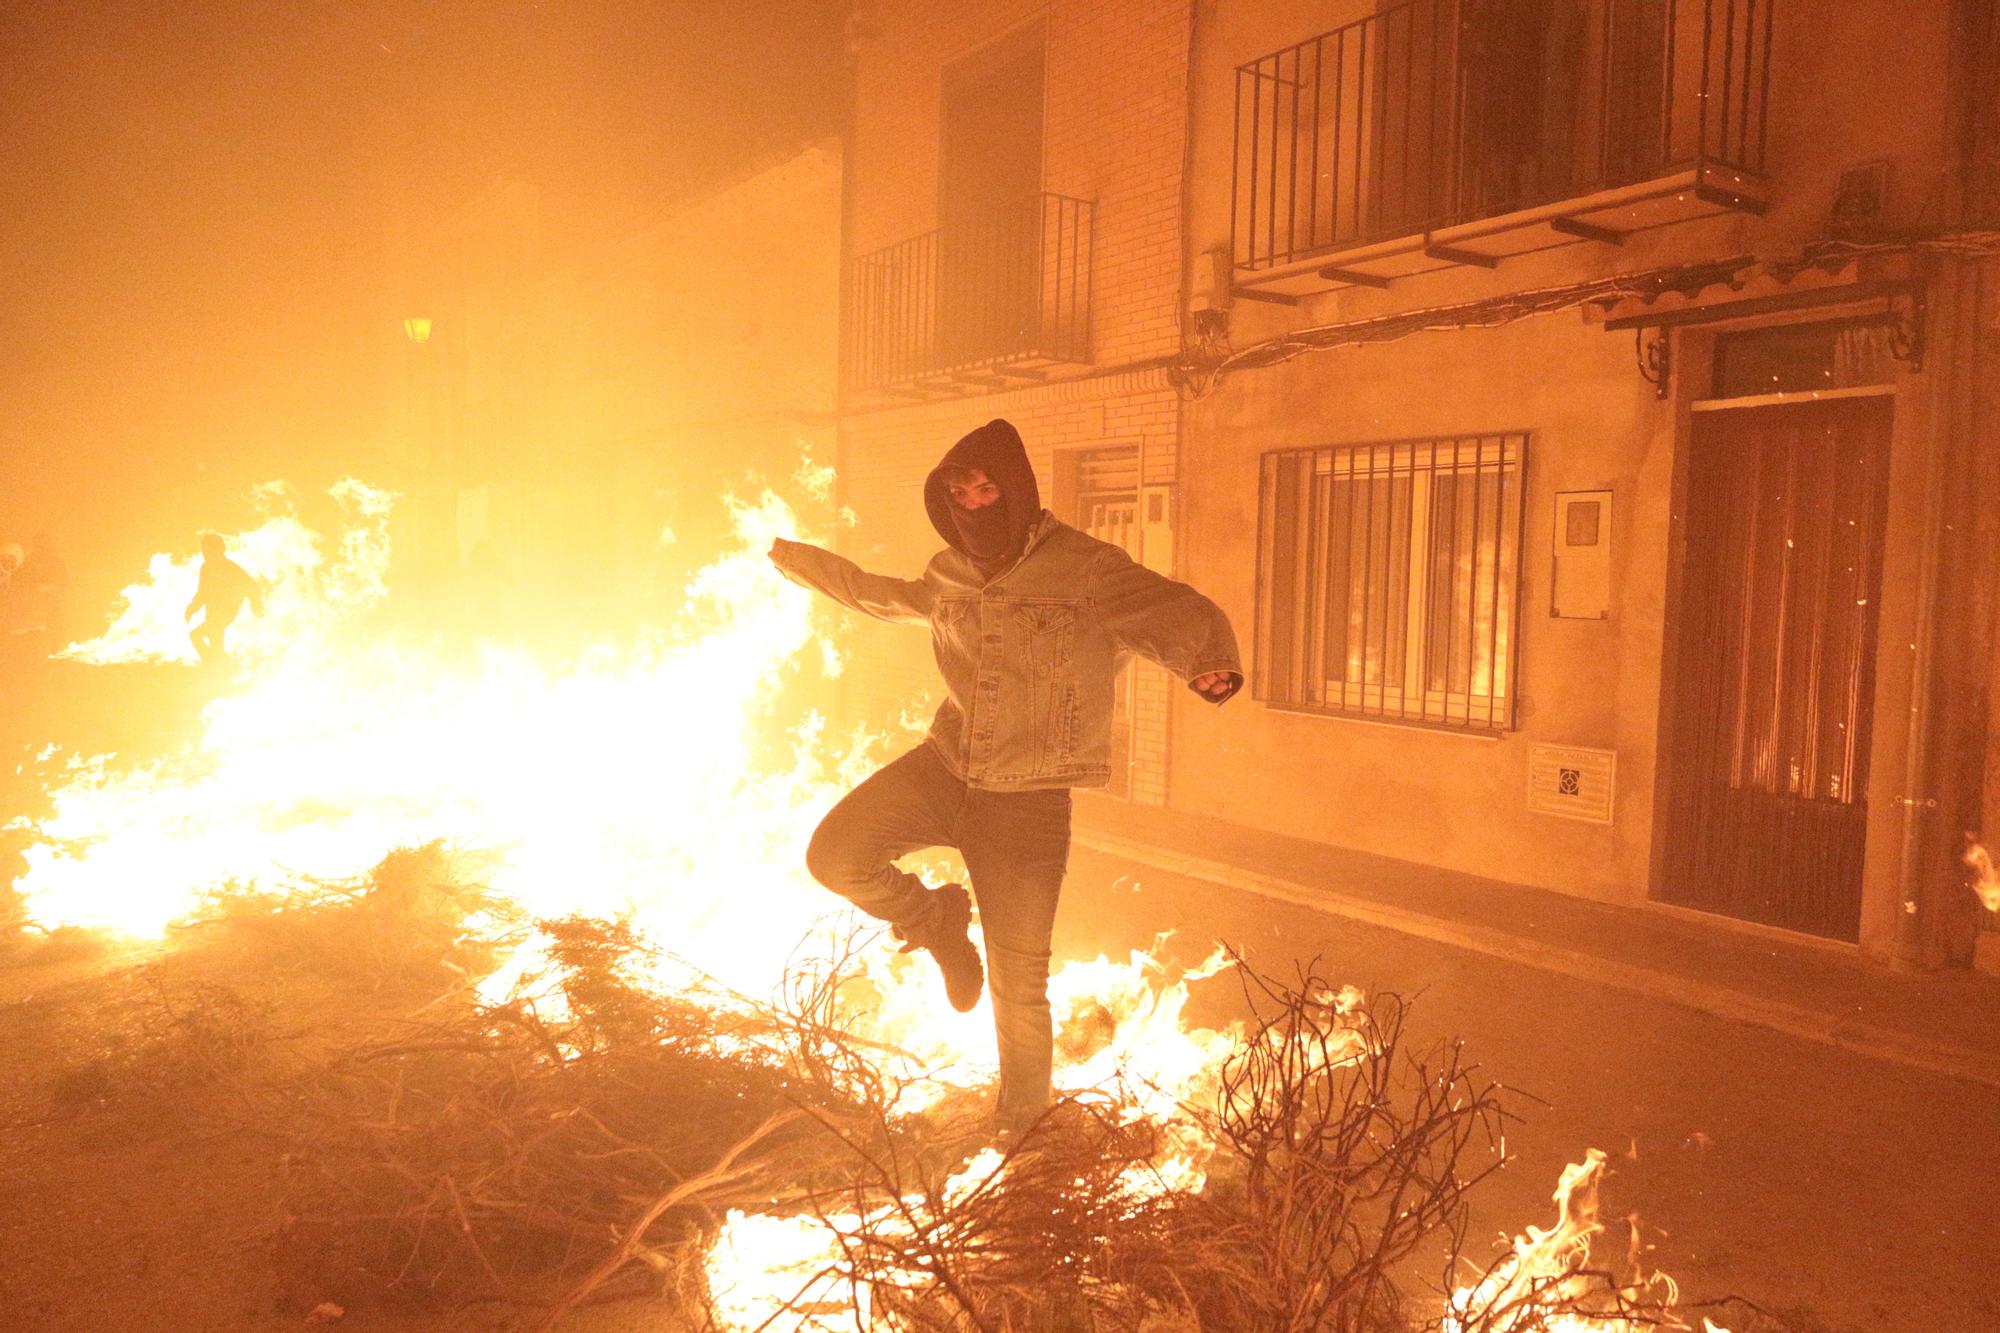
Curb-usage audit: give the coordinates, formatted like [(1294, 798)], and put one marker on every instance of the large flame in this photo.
[(634, 779), (1985, 879), (650, 779), (1546, 1279), (313, 594)]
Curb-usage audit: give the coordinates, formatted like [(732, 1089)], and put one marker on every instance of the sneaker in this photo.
[(951, 948)]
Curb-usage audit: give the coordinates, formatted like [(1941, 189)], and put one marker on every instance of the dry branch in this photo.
[(553, 1150), (493, 1150), (1332, 1153)]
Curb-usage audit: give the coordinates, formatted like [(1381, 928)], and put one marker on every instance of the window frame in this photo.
[(1412, 700)]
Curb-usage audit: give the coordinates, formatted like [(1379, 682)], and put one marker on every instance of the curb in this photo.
[(1816, 1025)]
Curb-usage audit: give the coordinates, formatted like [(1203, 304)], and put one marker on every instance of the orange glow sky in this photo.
[(200, 194)]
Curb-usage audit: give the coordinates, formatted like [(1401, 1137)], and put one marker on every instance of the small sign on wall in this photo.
[(1572, 782), (1582, 582)]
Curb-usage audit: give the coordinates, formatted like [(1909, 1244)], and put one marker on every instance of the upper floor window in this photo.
[(1001, 288), (990, 135), (1388, 580)]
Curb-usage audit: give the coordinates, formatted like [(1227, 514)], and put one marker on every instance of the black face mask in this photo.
[(986, 531)]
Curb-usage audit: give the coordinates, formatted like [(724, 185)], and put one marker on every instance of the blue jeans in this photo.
[(1016, 848)]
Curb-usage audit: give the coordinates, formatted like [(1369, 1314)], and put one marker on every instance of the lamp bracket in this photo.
[(1908, 317), (1654, 358)]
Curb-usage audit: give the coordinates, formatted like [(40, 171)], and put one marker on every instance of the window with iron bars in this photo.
[(1389, 580)]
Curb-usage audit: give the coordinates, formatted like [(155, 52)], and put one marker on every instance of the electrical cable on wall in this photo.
[(1201, 368)]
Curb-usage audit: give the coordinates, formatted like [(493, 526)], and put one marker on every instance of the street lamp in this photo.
[(418, 328)]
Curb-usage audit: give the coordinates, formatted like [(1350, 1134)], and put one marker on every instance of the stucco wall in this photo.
[(1113, 134), (1428, 796), (1460, 801), (1447, 799)]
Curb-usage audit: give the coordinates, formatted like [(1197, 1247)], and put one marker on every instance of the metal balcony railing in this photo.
[(1433, 113), (968, 303)]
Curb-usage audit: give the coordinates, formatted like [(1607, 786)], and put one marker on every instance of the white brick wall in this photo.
[(1115, 134)]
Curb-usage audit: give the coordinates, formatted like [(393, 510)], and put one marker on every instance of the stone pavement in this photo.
[(1943, 1022)]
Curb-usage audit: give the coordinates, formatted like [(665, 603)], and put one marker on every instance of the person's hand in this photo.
[(1214, 684)]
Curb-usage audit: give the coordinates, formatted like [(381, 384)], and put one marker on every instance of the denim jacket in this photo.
[(1030, 655)]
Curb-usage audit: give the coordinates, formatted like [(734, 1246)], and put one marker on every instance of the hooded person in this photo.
[(1031, 622), (989, 533)]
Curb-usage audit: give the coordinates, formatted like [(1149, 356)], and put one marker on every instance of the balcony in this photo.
[(980, 304), (1441, 133)]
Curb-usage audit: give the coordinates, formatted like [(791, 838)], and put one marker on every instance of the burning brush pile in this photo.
[(602, 1062), (594, 1135)]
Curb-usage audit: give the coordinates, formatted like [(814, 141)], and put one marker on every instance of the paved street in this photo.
[(1851, 1194), (1848, 1193)]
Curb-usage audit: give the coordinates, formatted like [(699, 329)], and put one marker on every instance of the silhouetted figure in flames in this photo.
[(220, 594), (1031, 622), (42, 585), (11, 557)]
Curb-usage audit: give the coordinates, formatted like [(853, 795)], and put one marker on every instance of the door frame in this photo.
[(1911, 414), (1741, 839)]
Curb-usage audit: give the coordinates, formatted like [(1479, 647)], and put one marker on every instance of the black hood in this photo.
[(995, 449)]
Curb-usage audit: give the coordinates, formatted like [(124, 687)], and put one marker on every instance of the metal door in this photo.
[(1772, 685)]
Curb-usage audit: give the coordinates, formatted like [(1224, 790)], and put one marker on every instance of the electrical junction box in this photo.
[(1582, 582), (1156, 529)]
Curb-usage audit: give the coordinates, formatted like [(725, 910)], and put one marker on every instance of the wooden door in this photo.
[(1772, 685)]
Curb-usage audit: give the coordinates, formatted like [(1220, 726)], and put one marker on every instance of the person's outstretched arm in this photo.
[(1166, 621), (907, 600)]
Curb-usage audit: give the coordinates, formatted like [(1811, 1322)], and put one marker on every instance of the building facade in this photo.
[(1014, 248), (575, 413), (1585, 410)]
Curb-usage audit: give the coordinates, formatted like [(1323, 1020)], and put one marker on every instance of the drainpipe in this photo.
[(1917, 801), (1181, 238)]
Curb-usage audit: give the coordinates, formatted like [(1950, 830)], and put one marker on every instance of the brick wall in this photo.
[(579, 403), (1114, 133)]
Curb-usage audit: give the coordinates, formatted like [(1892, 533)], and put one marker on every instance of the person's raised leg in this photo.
[(912, 803), (905, 806), (219, 634), (1016, 846)]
